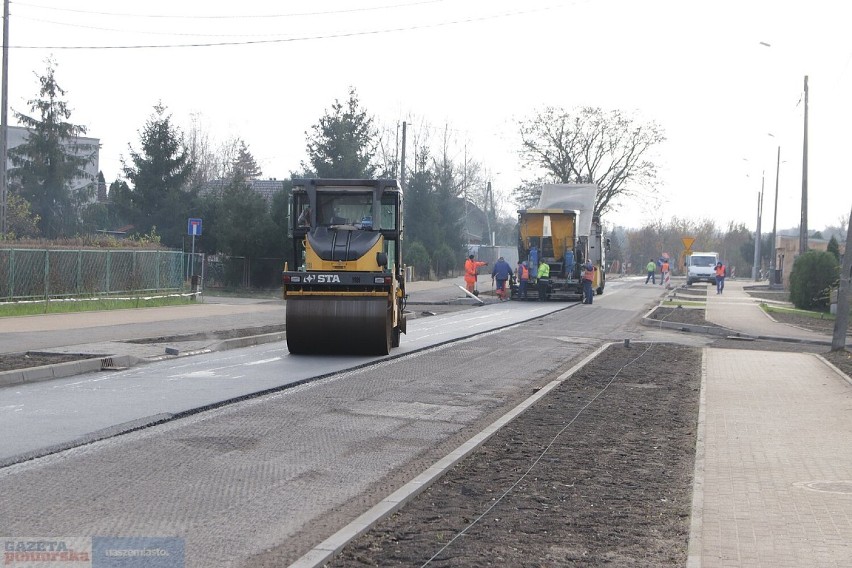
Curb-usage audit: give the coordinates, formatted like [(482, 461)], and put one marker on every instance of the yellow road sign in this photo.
[(687, 242)]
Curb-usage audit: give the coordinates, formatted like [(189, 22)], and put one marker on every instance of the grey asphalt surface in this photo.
[(772, 479)]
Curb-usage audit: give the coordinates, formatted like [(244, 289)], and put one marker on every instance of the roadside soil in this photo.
[(840, 359), (597, 473)]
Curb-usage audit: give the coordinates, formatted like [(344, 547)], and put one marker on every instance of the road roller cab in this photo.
[(347, 292)]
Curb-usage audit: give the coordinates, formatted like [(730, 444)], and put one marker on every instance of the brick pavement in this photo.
[(777, 463)]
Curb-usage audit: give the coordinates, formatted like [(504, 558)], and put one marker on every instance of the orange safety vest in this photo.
[(470, 267), (665, 267), (720, 271), (523, 272), (589, 274)]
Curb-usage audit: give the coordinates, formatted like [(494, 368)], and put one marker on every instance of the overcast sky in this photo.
[(266, 71)]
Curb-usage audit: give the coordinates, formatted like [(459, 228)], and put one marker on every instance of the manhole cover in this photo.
[(844, 487)]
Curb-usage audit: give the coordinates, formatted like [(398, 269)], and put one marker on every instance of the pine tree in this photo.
[(343, 143), (245, 166), (159, 172), (49, 168)]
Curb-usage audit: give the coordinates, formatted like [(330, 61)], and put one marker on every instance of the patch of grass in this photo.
[(804, 313), (12, 309)]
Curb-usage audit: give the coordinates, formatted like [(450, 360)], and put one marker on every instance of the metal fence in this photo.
[(40, 273), (221, 271)]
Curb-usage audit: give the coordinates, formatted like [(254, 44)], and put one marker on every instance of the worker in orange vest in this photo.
[(523, 274), (720, 277), (470, 268), (664, 271)]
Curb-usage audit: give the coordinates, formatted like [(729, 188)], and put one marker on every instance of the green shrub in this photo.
[(417, 256), (813, 275), (444, 260)]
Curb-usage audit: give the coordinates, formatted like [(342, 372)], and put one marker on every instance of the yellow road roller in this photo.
[(347, 292)]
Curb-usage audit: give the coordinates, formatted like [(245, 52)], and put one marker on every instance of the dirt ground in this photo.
[(597, 473)]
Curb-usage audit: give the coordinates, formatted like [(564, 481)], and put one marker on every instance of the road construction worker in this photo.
[(543, 280), (588, 280), (470, 268), (501, 273), (651, 267), (720, 277), (664, 271), (523, 273)]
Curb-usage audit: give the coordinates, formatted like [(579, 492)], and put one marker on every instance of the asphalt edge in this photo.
[(327, 549), (114, 363)]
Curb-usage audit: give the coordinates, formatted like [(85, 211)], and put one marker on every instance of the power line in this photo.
[(119, 30), (289, 40), (232, 16)]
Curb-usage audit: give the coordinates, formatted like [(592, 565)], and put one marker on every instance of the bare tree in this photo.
[(589, 145), (200, 152)]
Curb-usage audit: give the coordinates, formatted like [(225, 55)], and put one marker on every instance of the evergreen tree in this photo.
[(343, 143), (834, 248), (49, 168), (813, 275), (421, 207), (159, 198), (245, 166)]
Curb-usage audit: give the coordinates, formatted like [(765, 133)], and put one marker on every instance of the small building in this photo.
[(786, 251)]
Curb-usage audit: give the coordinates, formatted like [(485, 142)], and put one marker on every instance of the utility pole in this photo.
[(803, 227), (841, 322), (774, 220), (402, 162), (755, 270), (4, 126)]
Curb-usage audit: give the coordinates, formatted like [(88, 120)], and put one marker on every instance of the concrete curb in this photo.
[(61, 370)]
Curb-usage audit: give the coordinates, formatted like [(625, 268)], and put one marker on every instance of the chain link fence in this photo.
[(221, 271), (40, 273)]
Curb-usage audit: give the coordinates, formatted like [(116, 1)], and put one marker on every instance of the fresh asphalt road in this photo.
[(260, 482), (66, 412)]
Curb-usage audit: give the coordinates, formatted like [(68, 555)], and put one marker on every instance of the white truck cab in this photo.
[(701, 267)]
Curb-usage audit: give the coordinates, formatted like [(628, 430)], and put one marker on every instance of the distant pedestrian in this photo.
[(651, 267), (523, 274), (543, 278), (470, 268), (720, 277), (501, 273), (588, 280), (664, 271)]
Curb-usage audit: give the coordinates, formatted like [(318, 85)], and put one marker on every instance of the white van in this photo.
[(701, 267)]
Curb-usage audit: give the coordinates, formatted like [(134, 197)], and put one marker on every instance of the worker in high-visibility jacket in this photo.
[(588, 279), (543, 280), (470, 268)]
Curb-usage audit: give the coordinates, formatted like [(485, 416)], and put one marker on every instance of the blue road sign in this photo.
[(193, 227)]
